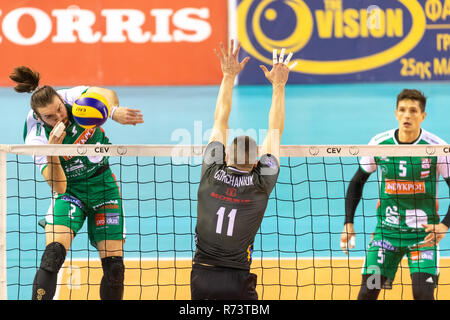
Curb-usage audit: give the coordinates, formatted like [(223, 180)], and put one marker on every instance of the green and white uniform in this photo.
[(408, 199), (92, 191)]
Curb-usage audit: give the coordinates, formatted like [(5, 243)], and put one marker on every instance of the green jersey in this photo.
[(408, 186), (77, 169)]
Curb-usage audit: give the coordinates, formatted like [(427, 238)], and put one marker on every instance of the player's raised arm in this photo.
[(231, 67), (122, 115), (278, 76)]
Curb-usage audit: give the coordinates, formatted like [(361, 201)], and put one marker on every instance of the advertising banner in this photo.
[(113, 42), (347, 40)]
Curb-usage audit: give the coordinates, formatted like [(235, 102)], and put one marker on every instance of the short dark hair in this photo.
[(413, 94), (243, 151)]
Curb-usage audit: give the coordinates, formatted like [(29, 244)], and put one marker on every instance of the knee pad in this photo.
[(113, 271), (53, 257), (423, 285)]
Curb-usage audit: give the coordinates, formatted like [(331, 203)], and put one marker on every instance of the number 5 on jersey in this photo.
[(231, 217)]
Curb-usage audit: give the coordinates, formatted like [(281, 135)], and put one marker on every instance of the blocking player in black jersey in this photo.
[(234, 189)]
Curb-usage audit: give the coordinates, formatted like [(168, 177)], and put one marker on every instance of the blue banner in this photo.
[(347, 40)]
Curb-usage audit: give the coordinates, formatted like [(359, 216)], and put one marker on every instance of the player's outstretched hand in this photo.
[(436, 232), (228, 58), (124, 115), (347, 238), (280, 70)]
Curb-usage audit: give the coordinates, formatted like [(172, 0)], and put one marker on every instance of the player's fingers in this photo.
[(235, 53), (288, 59), (244, 62), (231, 47), (129, 110), (347, 242), (351, 242), (135, 119), (222, 49), (217, 54), (281, 58), (292, 66), (135, 113), (264, 69), (343, 245), (274, 57), (429, 227), (428, 241)]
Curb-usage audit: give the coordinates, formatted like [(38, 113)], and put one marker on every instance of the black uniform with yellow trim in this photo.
[(231, 206)]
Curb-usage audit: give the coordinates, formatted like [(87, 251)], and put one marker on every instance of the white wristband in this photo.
[(114, 108)]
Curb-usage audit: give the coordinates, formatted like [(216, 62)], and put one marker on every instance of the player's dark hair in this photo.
[(413, 94), (243, 152), (28, 81)]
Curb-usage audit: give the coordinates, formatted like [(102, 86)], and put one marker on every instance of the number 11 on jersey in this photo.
[(231, 217)]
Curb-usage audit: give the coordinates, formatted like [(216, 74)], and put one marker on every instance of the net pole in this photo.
[(3, 286)]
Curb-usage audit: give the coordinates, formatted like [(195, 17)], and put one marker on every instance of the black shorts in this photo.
[(218, 283)]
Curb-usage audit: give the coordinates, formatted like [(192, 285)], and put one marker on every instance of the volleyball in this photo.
[(90, 110)]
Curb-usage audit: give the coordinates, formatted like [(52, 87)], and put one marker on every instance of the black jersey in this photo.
[(231, 205)]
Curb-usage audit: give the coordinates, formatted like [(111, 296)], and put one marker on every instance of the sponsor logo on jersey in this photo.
[(109, 218), (73, 200), (426, 163), (231, 192), (422, 255), (112, 218), (424, 174), (111, 204), (76, 165), (404, 187), (83, 138), (383, 244), (229, 199), (100, 219)]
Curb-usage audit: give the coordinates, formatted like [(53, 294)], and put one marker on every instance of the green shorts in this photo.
[(99, 201), (384, 255)]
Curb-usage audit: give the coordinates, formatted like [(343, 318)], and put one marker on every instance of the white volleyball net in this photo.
[(297, 252)]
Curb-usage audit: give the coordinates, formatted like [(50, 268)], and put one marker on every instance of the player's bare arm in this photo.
[(231, 67), (278, 76), (122, 115)]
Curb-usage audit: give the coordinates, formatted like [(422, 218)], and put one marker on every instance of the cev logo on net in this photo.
[(333, 22)]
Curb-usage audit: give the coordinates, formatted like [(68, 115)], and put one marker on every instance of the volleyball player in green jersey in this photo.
[(82, 187), (407, 213)]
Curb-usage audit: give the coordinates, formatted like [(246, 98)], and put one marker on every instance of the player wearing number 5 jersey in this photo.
[(82, 187), (407, 213), (234, 191)]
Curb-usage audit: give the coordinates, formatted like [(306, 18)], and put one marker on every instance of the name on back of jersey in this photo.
[(232, 180)]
